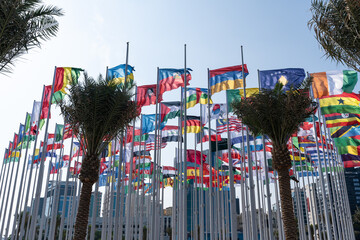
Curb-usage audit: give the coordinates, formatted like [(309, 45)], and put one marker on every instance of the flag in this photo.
[(170, 78), (36, 124), (193, 124), (354, 150), (235, 95), (227, 78), (45, 108), (346, 141), (333, 82), (169, 171), (206, 135), (342, 103), (148, 123), (288, 77), (216, 111), (351, 164), (169, 110), (116, 75), (349, 157), (146, 95), (195, 96), (59, 132), (192, 154), (306, 129), (342, 119), (68, 132), (171, 135), (63, 77), (344, 131), (52, 144), (234, 125)]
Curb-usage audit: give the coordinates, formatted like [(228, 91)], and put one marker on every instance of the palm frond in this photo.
[(23, 25), (336, 24), (98, 111), (276, 113)]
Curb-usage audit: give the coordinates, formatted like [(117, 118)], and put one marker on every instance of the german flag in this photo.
[(342, 119), (193, 124)]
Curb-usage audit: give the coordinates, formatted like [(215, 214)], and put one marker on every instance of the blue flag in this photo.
[(288, 77), (148, 123)]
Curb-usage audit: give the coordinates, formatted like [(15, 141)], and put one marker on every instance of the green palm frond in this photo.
[(23, 25), (276, 113), (336, 25), (97, 111)]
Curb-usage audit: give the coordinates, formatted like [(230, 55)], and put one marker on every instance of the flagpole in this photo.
[(128, 198), (202, 195), (323, 190), (16, 177), (66, 190), (209, 158), (41, 171), (18, 206), (31, 167), (185, 160), (3, 213), (233, 219)]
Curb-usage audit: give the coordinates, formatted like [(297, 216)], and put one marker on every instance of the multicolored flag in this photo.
[(195, 96), (146, 95), (235, 95), (169, 171), (289, 77), (342, 103), (227, 78), (169, 110), (193, 124), (170, 134), (234, 125), (206, 135), (333, 82), (116, 75), (171, 78), (342, 119), (216, 111), (63, 77)]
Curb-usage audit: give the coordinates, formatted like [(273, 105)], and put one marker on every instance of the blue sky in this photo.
[(93, 35)]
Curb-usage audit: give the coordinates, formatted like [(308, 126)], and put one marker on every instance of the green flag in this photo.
[(59, 132)]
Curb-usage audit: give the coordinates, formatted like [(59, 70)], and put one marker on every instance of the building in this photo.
[(352, 179), (56, 191), (300, 203)]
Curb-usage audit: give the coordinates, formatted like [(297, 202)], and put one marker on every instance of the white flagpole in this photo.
[(211, 214), (22, 225), (202, 192), (20, 195), (254, 231), (117, 201), (41, 170), (15, 179), (128, 198), (61, 227), (185, 230), (233, 219), (323, 190), (9, 183)]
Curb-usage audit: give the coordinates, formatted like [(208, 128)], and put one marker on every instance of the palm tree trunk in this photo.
[(282, 163), (83, 211), (287, 209)]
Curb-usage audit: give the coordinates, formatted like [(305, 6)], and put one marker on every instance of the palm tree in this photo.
[(23, 25), (336, 24), (278, 114), (97, 112)]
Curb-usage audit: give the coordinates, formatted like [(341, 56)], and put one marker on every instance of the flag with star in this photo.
[(341, 103), (287, 76)]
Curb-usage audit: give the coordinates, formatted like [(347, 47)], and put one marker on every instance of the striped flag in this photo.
[(234, 125), (195, 96)]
